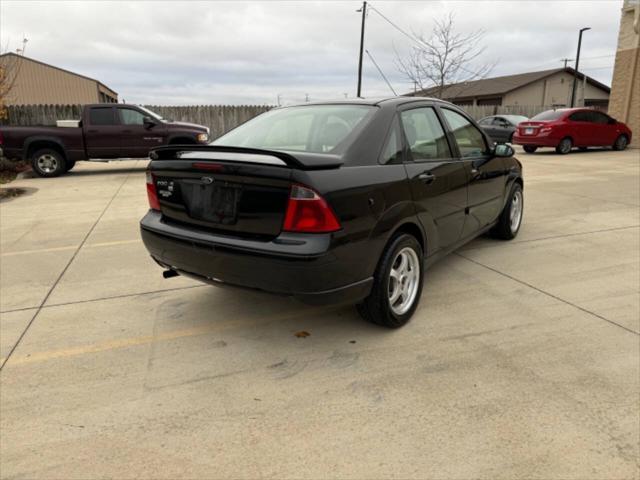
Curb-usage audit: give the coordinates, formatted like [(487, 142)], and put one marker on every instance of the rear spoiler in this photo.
[(301, 160)]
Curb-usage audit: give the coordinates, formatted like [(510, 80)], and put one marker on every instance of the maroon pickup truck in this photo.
[(105, 132)]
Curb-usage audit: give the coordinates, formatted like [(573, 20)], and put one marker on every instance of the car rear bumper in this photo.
[(535, 140), (298, 265)]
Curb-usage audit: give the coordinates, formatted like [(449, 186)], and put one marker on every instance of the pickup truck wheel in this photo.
[(47, 162), (397, 284)]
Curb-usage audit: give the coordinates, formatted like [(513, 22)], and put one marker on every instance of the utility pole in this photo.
[(573, 87), (364, 14), (566, 60)]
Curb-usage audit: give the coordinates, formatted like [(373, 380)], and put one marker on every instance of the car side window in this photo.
[(598, 117), (425, 136), (580, 117), (469, 139), (486, 121), (392, 151), (499, 122), (128, 116), (101, 116)]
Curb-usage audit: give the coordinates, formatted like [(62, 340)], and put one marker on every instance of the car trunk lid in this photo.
[(231, 190)]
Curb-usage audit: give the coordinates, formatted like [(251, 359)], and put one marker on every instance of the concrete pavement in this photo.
[(522, 360)]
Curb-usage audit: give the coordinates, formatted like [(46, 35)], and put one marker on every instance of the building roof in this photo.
[(498, 86), (61, 69)]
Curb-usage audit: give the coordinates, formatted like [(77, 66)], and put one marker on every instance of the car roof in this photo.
[(376, 101)]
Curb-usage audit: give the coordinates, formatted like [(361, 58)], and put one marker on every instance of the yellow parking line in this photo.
[(69, 247), (148, 339)]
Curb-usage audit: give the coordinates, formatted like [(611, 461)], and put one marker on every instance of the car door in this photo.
[(137, 138), (605, 130), (486, 172), (501, 130), (487, 125), (438, 181), (102, 133), (580, 128)]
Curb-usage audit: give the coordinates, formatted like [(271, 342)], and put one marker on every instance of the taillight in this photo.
[(308, 212), (546, 129), (152, 194)]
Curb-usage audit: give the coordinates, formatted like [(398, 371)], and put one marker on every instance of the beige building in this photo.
[(625, 88), (27, 81), (545, 88)]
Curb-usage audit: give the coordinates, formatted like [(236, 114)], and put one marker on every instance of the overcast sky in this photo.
[(171, 53)]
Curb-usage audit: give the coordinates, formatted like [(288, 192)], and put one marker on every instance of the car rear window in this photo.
[(312, 128), (548, 115)]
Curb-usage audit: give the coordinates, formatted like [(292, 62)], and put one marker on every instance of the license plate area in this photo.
[(215, 203), (528, 131)]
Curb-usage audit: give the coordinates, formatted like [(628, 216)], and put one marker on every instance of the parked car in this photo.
[(342, 202), (501, 127), (106, 131), (567, 128)]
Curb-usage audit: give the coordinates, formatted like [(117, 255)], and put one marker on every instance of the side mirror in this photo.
[(149, 122), (503, 150)]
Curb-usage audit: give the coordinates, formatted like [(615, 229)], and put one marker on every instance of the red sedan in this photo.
[(567, 128)]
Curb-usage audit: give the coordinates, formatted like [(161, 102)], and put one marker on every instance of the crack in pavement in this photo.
[(522, 282), (64, 270), (553, 237), (99, 299)]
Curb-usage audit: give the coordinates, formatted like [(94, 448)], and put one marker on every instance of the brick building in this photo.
[(624, 103)]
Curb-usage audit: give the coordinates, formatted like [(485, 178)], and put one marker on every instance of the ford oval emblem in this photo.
[(207, 180)]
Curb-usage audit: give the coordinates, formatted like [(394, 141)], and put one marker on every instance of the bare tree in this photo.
[(9, 70), (444, 58)]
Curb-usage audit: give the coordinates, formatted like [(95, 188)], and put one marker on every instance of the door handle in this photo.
[(427, 177)]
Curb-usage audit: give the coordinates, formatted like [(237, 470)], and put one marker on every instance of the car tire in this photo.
[(621, 143), (48, 162), (565, 146), (393, 280), (69, 164), (530, 149), (510, 219)]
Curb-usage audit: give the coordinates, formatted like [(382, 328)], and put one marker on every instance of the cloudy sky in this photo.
[(173, 53)]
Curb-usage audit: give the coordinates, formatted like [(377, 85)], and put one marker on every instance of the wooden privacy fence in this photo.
[(219, 118)]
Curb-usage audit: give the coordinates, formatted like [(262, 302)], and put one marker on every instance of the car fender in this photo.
[(42, 138), (393, 219)]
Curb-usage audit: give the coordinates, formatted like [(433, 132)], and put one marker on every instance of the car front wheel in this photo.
[(530, 149), (397, 284), (510, 219), (621, 143)]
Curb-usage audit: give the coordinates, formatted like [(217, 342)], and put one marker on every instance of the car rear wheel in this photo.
[(621, 143), (565, 146), (48, 162), (530, 149), (510, 219), (397, 284)]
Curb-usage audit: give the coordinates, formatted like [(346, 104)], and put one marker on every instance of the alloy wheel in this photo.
[(515, 214), (404, 279)]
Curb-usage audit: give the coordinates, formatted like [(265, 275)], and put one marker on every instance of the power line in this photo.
[(381, 73)]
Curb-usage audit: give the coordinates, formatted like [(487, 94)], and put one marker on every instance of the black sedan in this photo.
[(501, 127), (344, 202)]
